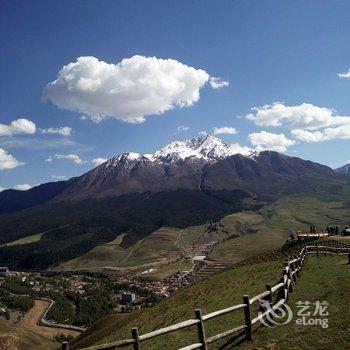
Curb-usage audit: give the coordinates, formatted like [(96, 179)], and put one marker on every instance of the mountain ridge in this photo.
[(202, 163)]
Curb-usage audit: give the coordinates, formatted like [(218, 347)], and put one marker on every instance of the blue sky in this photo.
[(283, 55)]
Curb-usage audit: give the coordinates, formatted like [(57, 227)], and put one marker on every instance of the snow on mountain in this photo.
[(207, 148), (345, 169)]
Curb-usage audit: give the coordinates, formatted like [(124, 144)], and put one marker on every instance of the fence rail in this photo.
[(280, 291)]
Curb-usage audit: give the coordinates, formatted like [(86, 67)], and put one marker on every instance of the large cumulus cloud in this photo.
[(130, 90), (304, 116), (269, 141)]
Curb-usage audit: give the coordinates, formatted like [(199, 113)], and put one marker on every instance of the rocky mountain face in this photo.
[(203, 163)]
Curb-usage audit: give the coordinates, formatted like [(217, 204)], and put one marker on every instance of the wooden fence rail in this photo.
[(279, 292)]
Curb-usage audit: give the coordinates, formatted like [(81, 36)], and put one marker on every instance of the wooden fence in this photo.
[(277, 295)]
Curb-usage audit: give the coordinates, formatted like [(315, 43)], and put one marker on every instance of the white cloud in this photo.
[(19, 126), (62, 130), (72, 157), (246, 151), (7, 161), (345, 75), (225, 130), (2, 189), (305, 116), (218, 83), (340, 132), (202, 133), (268, 141), (99, 161), (130, 90), (34, 143), (59, 177), (182, 128), (23, 187)]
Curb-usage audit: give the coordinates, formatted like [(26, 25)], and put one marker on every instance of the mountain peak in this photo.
[(207, 147)]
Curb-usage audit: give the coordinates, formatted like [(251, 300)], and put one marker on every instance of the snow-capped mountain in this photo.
[(203, 163), (207, 149), (345, 169), (200, 164)]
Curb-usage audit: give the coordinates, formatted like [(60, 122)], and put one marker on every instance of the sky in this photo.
[(83, 81)]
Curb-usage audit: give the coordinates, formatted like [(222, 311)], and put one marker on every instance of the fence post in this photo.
[(201, 330), (65, 345), (298, 265), (136, 337), (285, 285), (317, 251), (269, 298), (248, 321), (349, 258)]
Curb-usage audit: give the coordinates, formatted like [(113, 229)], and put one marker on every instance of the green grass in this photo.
[(168, 269), (159, 247), (259, 231), (269, 227), (217, 292), (324, 278), (25, 240)]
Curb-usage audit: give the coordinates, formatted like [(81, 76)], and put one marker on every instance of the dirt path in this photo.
[(32, 317)]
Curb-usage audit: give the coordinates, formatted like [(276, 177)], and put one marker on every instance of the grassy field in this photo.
[(25, 240), (324, 278), (270, 226), (158, 247), (257, 231)]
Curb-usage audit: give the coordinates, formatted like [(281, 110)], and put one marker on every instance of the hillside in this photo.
[(243, 235), (317, 283), (15, 337), (187, 183)]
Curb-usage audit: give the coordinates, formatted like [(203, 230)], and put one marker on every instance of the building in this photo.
[(128, 297), (4, 271)]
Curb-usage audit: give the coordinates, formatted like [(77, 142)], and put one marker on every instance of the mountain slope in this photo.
[(345, 169), (226, 289), (14, 200), (200, 163), (186, 183), (205, 162)]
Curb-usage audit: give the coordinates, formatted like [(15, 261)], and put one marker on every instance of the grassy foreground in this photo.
[(217, 292), (325, 278)]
